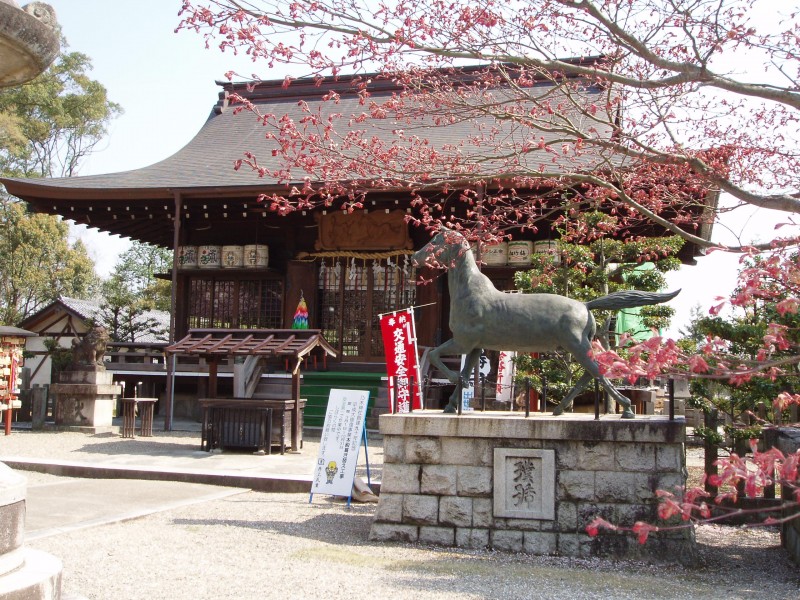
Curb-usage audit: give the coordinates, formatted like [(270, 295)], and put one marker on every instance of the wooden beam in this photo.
[(213, 365)]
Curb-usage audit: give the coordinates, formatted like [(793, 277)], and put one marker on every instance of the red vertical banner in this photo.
[(400, 348)]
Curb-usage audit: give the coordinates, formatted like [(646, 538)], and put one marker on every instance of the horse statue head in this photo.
[(443, 251)]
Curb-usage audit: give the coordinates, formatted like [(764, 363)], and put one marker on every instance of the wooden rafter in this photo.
[(213, 343)]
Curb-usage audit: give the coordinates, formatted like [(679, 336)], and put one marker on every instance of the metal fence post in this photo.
[(527, 397), (671, 390), (596, 400)]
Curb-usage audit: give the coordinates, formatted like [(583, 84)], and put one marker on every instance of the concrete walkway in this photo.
[(116, 479)]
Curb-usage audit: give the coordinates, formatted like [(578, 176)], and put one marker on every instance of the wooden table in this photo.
[(282, 412), (129, 407)]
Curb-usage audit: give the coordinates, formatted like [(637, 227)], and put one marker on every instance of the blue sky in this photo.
[(165, 82)]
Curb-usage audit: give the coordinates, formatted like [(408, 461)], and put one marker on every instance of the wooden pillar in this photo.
[(427, 318), (301, 278), (296, 422), (171, 360), (213, 364)]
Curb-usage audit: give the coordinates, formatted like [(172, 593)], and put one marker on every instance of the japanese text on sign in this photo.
[(400, 347), (340, 442)]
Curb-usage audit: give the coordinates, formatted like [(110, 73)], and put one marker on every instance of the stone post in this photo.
[(38, 407)]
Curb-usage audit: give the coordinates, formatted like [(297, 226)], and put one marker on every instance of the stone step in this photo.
[(38, 578)]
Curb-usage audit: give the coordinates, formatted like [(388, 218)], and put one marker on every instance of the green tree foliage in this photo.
[(133, 290), (124, 313), (742, 333), (591, 262), (47, 127), (138, 267), (37, 263)]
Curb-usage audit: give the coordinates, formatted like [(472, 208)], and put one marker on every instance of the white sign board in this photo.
[(340, 443)]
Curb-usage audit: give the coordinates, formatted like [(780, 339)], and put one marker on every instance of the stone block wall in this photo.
[(788, 442), (499, 480)]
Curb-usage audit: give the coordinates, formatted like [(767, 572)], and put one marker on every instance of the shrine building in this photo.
[(240, 266)]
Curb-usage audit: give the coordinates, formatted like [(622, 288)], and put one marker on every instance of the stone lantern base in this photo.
[(85, 400), (24, 573)]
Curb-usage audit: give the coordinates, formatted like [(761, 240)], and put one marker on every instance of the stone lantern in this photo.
[(29, 41)]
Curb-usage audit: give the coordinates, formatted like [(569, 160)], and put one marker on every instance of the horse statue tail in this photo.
[(629, 299)]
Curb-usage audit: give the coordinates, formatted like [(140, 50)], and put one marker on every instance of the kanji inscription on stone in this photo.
[(524, 483)]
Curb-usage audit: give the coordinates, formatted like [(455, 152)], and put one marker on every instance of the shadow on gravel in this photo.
[(144, 447), (346, 528), (739, 551)]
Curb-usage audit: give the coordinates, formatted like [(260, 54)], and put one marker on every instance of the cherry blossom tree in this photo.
[(664, 88), (662, 104)]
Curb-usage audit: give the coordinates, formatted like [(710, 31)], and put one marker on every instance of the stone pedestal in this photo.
[(85, 400), (787, 440), (24, 573), (502, 481)]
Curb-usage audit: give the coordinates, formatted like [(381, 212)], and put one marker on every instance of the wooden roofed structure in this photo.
[(348, 267), (293, 345)]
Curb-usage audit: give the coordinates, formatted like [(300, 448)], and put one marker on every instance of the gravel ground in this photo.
[(258, 545)]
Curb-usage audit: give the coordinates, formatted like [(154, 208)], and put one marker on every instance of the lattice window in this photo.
[(352, 293), (224, 305), (260, 304), (235, 304), (201, 294)]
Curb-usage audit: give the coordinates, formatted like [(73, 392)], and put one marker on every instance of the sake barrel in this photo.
[(187, 257), (547, 247), (495, 255), (209, 257), (256, 256), (232, 257), (519, 253)]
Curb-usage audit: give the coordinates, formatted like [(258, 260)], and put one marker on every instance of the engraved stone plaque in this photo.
[(524, 483)]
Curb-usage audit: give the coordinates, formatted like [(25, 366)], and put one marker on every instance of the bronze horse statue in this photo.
[(482, 317)]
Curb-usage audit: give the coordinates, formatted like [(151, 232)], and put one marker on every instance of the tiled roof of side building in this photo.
[(89, 309)]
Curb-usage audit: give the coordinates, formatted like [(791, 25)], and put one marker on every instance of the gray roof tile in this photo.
[(208, 159)]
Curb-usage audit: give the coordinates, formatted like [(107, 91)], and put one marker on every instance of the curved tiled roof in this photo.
[(207, 161), (214, 197)]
